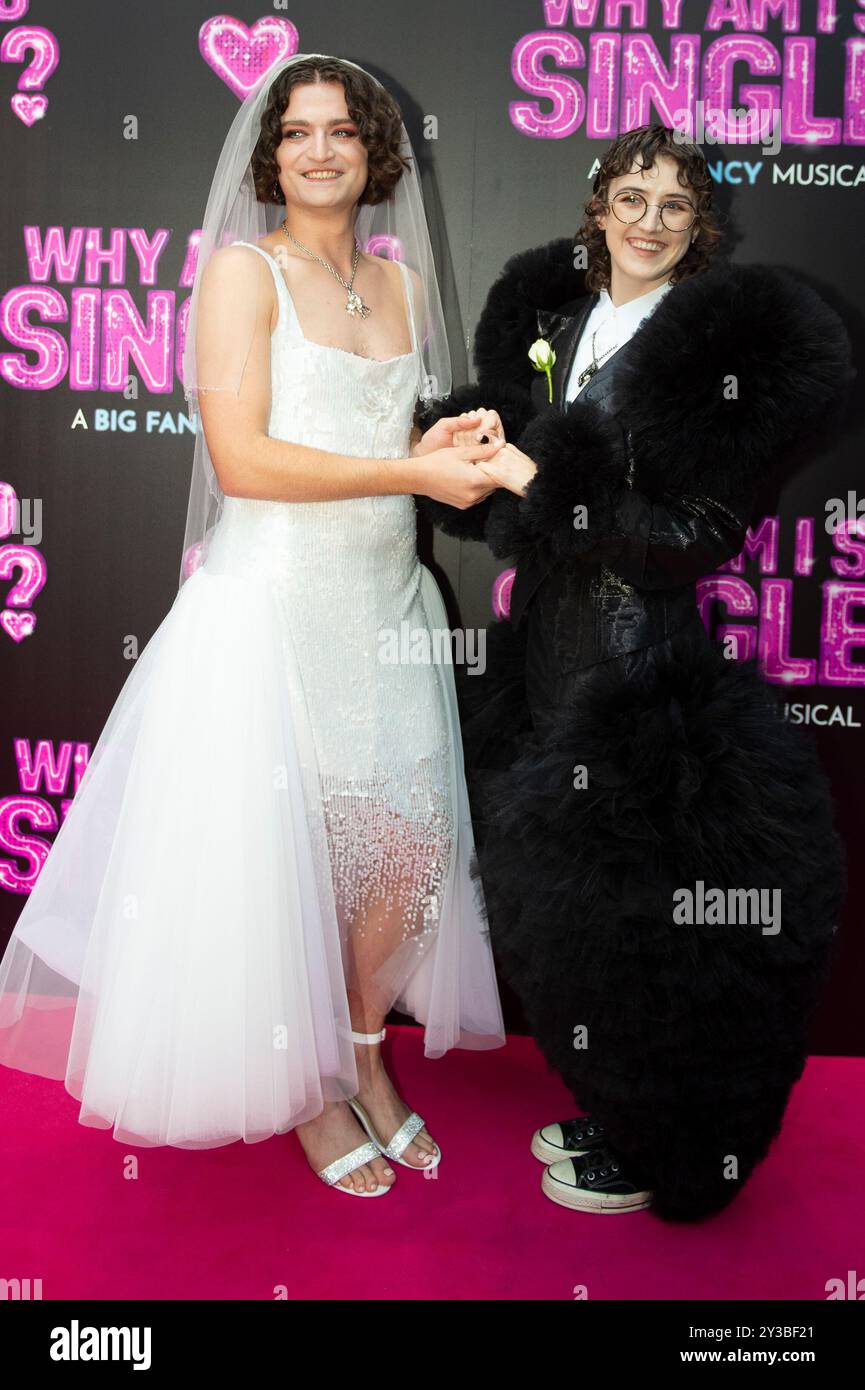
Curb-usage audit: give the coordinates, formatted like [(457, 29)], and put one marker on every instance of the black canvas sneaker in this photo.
[(597, 1182), (568, 1139)]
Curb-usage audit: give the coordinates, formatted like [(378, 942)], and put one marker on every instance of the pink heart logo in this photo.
[(29, 109), (240, 55), (18, 625)]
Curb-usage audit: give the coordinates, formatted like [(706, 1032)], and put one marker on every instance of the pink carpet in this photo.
[(241, 1221)]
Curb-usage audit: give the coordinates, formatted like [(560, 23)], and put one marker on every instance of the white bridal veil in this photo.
[(396, 227)]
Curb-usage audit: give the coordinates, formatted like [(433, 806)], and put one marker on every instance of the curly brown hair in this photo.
[(372, 109), (642, 147)]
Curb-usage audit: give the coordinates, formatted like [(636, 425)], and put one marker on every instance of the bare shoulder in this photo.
[(417, 291), (235, 262), (292, 263), (391, 269), (236, 277)]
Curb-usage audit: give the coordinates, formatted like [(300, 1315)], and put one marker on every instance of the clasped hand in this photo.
[(463, 470)]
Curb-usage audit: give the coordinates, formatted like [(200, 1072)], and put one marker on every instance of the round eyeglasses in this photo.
[(676, 215)]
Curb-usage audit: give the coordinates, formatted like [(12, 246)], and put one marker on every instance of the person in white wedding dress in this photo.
[(270, 847)]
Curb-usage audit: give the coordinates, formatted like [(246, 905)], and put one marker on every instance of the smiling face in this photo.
[(644, 254), (321, 161)]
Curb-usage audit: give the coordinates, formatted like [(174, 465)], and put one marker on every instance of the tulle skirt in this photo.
[(179, 963)]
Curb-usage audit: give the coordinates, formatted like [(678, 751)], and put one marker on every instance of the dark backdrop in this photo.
[(134, 121)]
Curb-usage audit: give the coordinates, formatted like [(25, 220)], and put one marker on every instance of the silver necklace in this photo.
[(596, 361), (354, 303)]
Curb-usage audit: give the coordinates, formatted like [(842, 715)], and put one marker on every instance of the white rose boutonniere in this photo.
[(543, 359)]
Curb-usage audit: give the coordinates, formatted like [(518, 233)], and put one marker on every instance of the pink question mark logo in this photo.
[(502, 585), (46, 56), (33, 572)]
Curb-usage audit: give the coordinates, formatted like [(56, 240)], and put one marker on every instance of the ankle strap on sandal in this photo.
[(369, 1037)]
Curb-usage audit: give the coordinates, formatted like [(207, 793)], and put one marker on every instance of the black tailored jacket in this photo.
[(737, 370)]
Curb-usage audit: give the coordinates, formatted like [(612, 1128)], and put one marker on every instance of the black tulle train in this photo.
[(695, 1033)]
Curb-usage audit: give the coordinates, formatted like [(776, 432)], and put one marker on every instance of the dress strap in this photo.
[(285, 301), (406, 281), (270, 261)]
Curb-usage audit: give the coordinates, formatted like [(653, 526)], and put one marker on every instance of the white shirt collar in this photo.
[(628, 316), (609, 328)]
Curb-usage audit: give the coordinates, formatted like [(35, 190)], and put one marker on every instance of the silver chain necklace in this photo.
[(596, 361), (354, 303)]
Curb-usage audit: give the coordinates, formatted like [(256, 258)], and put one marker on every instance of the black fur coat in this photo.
[(737, 373), (695, 1034)]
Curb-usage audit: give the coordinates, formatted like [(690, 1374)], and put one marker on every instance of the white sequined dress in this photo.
[(274, 815)]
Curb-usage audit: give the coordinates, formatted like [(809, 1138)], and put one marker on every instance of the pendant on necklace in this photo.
[(355, 305), (590, 371)]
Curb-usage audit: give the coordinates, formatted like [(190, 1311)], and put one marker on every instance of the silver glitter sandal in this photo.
[(400, 1141), (341, 1167)]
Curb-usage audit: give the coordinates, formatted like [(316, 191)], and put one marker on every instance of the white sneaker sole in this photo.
[(605, 1204)]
